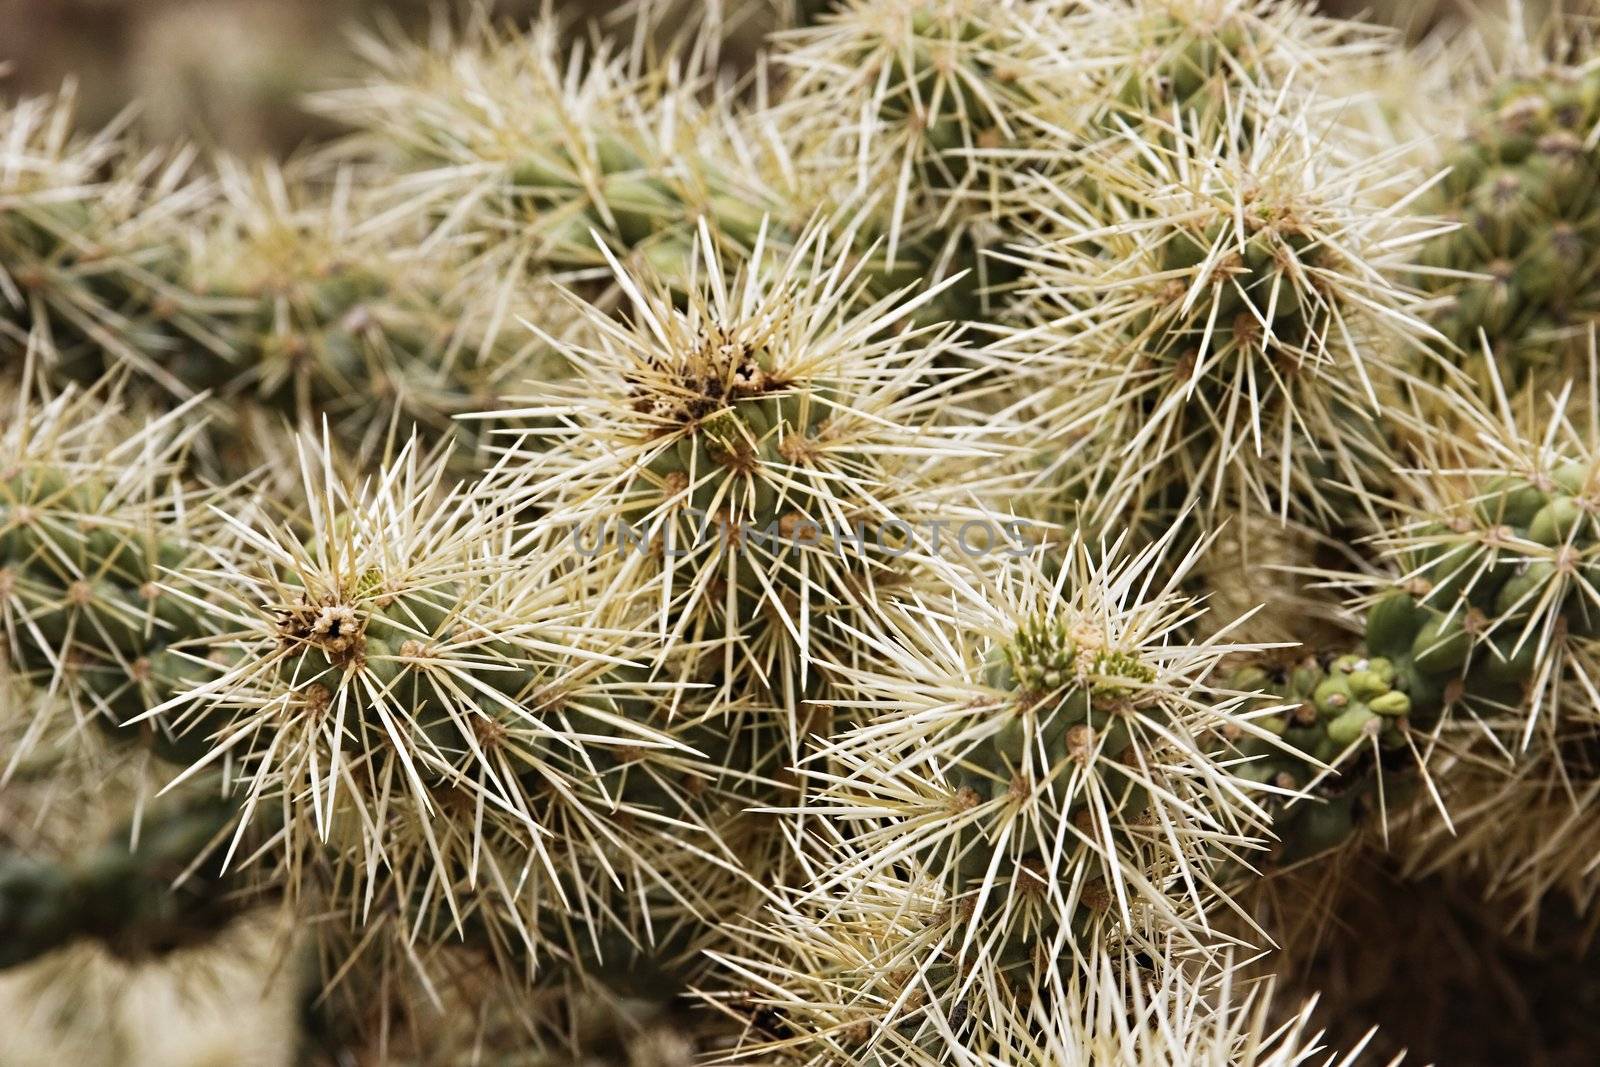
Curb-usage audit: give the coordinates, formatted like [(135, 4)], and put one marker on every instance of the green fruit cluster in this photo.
[(1056, 675), (1473, 585), (1457, 629), (1333, 709), (1525, 188), (123, 897)]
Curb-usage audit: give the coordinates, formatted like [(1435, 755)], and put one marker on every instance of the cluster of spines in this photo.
[(90, 253), (1038, 769), (932, 87), (294, 301), (873, 980), (94, 529), (281, 287), (764, 456), (473, 741), (1214, 322), (99, 624), (316, 661), (528, 152)]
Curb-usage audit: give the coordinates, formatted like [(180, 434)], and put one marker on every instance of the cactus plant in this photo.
[(765, 455), (865, 993), (1475, 625), (296, 304), (1181, 66), (434, 719), (933, 86), (523, 154), (94, 527), (91, 255), (1219, 318), (1516, 279), (637, 560), (1041, 764)]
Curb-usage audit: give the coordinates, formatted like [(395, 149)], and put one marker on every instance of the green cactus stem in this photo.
[(1524, 187), (1481, 609), (137, 897)]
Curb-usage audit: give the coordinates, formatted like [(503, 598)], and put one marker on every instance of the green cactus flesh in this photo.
[(97, 287), (128, 898), (1067, 704), (1197, 69), (1525, 188)]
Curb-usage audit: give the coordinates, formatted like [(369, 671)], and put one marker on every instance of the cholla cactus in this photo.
[(89, 258), (1517, 279), (523, 149), (873, 978), (94, 525), (1163, 1016), (122, 894), (1349, 713), (927, 88), (300, 305), (97, 872), (221, 1001), (1215, 319), (1500, 581), (1034, 744), (710, 662), (1494, 562), (469, 739), (1476, 631), (763, 455), (1522, 834), (447, 1009), (1168, 70)]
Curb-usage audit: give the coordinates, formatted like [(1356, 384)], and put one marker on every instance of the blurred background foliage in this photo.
[(228, 73)]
